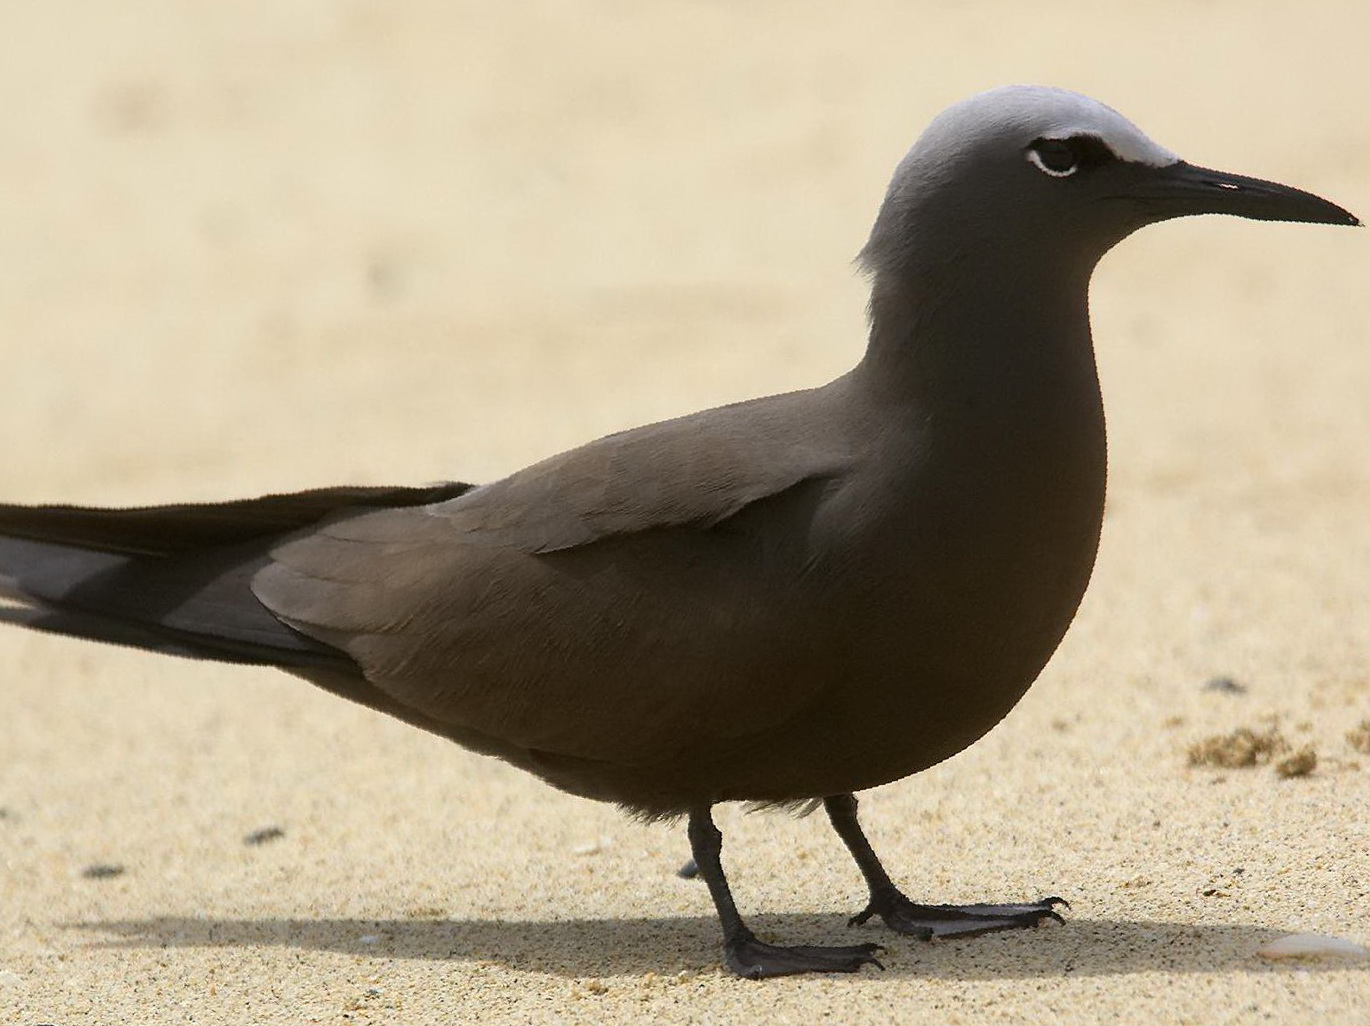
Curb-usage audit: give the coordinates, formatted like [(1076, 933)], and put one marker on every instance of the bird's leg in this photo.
[(924, 921), (742, 952)]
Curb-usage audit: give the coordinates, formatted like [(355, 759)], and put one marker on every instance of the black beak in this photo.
[(1179, 189)]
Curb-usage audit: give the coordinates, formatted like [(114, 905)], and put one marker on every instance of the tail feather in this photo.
[(73, 624), (174, 579), (189, 527)]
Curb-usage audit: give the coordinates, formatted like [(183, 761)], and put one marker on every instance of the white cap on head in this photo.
[(1040, 112)]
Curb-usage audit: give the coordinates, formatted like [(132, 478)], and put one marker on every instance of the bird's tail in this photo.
[(174, 579)]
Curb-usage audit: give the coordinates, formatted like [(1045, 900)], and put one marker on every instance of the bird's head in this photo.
[(1036, 170)]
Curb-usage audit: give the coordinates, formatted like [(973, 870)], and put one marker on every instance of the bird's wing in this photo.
[(616, 602)]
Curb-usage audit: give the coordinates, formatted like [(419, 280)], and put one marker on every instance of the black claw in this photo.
[(861, 917)]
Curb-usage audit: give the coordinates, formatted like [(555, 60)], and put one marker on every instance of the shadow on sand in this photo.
[(615, 947)]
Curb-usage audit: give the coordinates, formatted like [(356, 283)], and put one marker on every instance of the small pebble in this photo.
[(262, 836), (1311, 945), (1226, 685), (102, 871), (9, 979), (689, 870)]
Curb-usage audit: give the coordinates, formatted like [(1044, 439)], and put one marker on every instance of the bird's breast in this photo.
[(966, 573)]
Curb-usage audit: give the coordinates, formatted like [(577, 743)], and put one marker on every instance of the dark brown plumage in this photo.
[(782, 601)]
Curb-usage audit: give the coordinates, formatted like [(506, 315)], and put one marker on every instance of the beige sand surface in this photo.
[(258, 245)]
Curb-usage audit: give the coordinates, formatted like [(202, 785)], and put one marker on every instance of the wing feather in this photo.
[(609, 603)]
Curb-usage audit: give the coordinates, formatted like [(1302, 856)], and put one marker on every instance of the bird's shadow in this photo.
[(634, 947)]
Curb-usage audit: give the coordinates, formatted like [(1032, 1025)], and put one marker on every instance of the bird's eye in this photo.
[(1055, 157), (1061, 158)]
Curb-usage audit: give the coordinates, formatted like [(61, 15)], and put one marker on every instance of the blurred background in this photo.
[(258, 246)]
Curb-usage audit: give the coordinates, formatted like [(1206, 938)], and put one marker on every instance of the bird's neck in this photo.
[(977, 335), (985, 404)]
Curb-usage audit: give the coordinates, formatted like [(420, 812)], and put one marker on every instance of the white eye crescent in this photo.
[(1055, 157)]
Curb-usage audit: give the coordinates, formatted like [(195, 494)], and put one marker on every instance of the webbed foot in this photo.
[(929, 921), (748, 957)]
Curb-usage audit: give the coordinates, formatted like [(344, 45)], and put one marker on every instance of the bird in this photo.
[(780, 602)]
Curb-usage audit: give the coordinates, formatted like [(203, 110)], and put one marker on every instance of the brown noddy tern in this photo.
[(782, 601)]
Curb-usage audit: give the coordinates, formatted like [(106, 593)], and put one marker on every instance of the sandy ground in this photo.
[(257, 246)]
